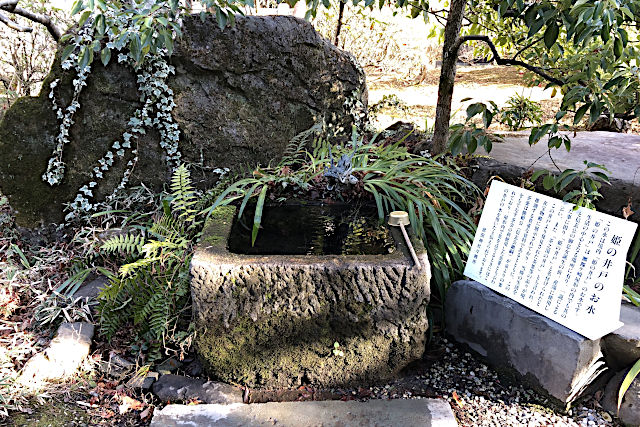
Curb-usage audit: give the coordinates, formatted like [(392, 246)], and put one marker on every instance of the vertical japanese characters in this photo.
[(564, 263)]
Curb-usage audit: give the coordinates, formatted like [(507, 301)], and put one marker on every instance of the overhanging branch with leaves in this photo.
[(508, 61)]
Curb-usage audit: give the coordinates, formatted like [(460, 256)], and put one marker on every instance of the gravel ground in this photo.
[(476, 394), (479, 398)]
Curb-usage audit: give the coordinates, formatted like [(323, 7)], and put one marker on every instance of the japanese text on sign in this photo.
[(565, 264)]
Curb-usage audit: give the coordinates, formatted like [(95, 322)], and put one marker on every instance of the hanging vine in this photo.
[(155, 112)]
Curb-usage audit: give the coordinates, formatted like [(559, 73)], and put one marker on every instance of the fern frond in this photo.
[(295, 151), (157, 302), (153, 247), (132, 267), (114, 305), (152, 292), (167, 227), (184, 195), (127, 243)]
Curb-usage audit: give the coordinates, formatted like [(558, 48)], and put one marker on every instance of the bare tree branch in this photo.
[(11, 7), (527, 46), (13, 25), (506, 61), (8, 5)]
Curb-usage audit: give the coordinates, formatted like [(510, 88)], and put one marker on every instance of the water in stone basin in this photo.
[(312, 230)]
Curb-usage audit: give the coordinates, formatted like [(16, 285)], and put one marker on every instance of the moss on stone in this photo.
[(217, 227), (285, 350), (51, 415), (228, 117)]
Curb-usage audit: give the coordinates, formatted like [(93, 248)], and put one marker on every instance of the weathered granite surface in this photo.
[(273, 320), (62, 358), (629, 413), (517, 341), (241, 94)]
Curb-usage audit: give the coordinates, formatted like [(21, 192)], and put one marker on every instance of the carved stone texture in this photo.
[(242, 93), (273, 321)]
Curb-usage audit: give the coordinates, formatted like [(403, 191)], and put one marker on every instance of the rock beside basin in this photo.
[(282, 321)]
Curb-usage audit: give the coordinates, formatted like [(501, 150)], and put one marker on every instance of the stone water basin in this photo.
[(302, 316)]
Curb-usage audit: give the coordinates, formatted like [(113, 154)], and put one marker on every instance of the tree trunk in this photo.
[(447, 75), (336, 37)]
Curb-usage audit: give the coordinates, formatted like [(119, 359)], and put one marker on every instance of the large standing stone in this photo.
[(373, 413), (242, 93), (274, 320), (516, 340)]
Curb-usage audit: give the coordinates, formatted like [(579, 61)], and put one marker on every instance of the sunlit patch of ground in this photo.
[(473, 84)]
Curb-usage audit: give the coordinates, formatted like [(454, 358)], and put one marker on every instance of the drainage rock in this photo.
[(518, 341)]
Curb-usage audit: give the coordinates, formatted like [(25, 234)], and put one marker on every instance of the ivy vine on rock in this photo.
[(155, 96)]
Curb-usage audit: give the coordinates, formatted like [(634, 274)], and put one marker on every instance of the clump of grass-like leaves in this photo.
[(433, 193)]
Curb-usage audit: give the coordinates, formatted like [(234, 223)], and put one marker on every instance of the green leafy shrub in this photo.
[(470, 136), (151, 291), (433, 193), (589, 179), (519, 111)]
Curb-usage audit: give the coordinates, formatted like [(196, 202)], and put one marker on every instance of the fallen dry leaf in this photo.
[(107, 413), (626, 211), (194, 401), (434, 201), (146, 413), (129, 403), (458, 400)]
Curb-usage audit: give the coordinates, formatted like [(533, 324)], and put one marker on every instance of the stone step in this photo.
[(618, 152), (378, 413)]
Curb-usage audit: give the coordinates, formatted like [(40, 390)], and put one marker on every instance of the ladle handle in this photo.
[(413, 252)]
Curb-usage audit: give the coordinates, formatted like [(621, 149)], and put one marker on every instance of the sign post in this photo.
[(564, 263)]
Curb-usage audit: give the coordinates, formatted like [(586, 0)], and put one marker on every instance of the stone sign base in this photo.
[(517, 341), (282, 321)]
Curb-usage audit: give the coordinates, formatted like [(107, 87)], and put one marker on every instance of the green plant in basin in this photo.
[(434, 194)]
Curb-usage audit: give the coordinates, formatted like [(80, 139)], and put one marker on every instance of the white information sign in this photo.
[(565, 264)]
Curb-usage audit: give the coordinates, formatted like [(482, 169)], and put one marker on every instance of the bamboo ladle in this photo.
[(400, 219)]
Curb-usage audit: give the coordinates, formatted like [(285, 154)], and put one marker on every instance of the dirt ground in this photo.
[(479, 83)]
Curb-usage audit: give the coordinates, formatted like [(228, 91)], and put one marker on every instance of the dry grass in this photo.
[(28, 276)]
